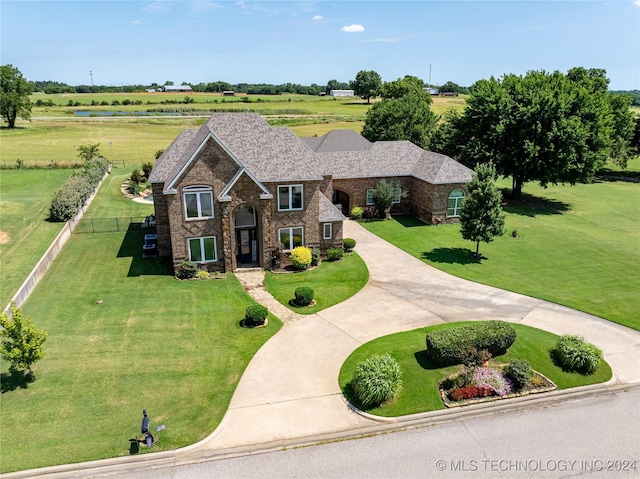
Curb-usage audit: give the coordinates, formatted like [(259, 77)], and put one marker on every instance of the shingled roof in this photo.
[(269, 154), (349, 155)]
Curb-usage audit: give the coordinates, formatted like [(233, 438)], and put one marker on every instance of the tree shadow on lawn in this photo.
[(131, 247), (422, 357), (532, 205), (451, 255), (14, 379)]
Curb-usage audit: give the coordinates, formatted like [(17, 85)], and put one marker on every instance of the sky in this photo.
[(122, 42)]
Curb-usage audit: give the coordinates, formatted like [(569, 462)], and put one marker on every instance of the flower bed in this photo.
[(488, 384)]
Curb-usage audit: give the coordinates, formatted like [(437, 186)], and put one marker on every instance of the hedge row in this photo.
[(447, 346), (69, 199)]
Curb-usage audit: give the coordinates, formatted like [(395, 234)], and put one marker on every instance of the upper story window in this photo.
[(290, 198), (198, 202), (455, 201)]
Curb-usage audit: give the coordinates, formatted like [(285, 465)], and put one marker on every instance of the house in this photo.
[(229, 194), (341, 93)]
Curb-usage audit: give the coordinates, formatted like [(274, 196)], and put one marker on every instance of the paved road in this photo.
[(588, 437)]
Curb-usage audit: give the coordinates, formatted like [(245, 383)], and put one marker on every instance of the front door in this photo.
[(246, 246)]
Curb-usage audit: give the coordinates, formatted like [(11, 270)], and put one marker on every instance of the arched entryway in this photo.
[(341, 198), (247, 241)]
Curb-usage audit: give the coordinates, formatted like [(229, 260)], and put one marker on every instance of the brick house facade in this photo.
[(230, 193)]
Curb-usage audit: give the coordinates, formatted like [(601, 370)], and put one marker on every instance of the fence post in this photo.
[(117, 226), (93, 230)]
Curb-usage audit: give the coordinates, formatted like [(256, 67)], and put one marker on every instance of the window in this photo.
[(397, 192), (203, 250), (291, 237), (370, 197), (326, 229), (245, 216), (455, 201), (289, 197), (198, 202)]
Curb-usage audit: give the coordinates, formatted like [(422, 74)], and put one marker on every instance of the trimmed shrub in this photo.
[(377, 380), (447, 346), (69, 199), (315, 256), (519, 371), (573, 353), (335, 254), (356, 213), (186, 270), (300, 257), (255, 315), (202, 274), (348, 244), (304, 296)]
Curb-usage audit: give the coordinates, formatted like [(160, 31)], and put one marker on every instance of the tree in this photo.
[(482, 218), (384, 195), (403, 86), (88, 152), (622, 147), (14, 95), (21, 340), (453, 88), (406, 118), (367, 84), (546, 127)]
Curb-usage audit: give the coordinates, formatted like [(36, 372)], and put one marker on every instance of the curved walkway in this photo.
[(289, 392)]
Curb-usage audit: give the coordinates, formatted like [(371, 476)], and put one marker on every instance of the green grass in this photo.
[(421, 378), (25, 196), (332, 282), (173, 347), (577, 246)]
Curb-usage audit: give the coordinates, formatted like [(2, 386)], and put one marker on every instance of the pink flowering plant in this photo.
[(493, 379)]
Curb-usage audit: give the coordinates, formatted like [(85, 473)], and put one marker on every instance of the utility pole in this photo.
[(91, 76), (429, 75)]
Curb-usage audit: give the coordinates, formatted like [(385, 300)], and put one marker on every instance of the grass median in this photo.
[(420, 378)]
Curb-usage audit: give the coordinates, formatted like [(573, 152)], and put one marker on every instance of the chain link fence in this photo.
[(110, 225)]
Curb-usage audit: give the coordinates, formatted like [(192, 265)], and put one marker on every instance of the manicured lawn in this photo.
[(25, 196), (577, 246), (172, 347), (332, 282), (420, 378)]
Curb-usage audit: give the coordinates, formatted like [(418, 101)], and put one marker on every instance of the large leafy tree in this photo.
[(482, 218), (367, 84), (21, 340), (384, 194), (403, 86), (545, 127), (406, 118), (14, 95)]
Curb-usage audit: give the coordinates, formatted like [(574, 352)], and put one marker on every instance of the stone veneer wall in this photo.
[(162, 219)]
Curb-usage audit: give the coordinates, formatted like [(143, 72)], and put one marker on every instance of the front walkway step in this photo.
[(253, 282)]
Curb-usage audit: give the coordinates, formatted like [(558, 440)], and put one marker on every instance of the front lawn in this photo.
[(25, 233), (576, 246), (420, 377), (332, 282), (173, 347)]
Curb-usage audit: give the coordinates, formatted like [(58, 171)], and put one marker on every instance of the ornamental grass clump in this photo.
[(573, 353), (301, 257), (377, 380)]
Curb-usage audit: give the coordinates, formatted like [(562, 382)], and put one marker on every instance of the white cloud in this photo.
[(206, 6), (319, 18), (637, 3), (136, 22), (385, 40), (352, 28)]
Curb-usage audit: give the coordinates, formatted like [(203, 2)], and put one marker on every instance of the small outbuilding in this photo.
[(176, 88), (341, 93)]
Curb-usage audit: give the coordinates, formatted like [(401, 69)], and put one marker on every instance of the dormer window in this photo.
[(198, 202)]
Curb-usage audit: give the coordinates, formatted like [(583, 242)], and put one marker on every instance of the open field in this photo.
[(26, 234), (173, 347), (420, 378), (576, 246)]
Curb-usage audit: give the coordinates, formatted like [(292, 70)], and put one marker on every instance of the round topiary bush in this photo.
[(255, 315), (377, 380), (301, 257), (519, 371), (304, 296), (348, 244), (573, 353), (186, 270)]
